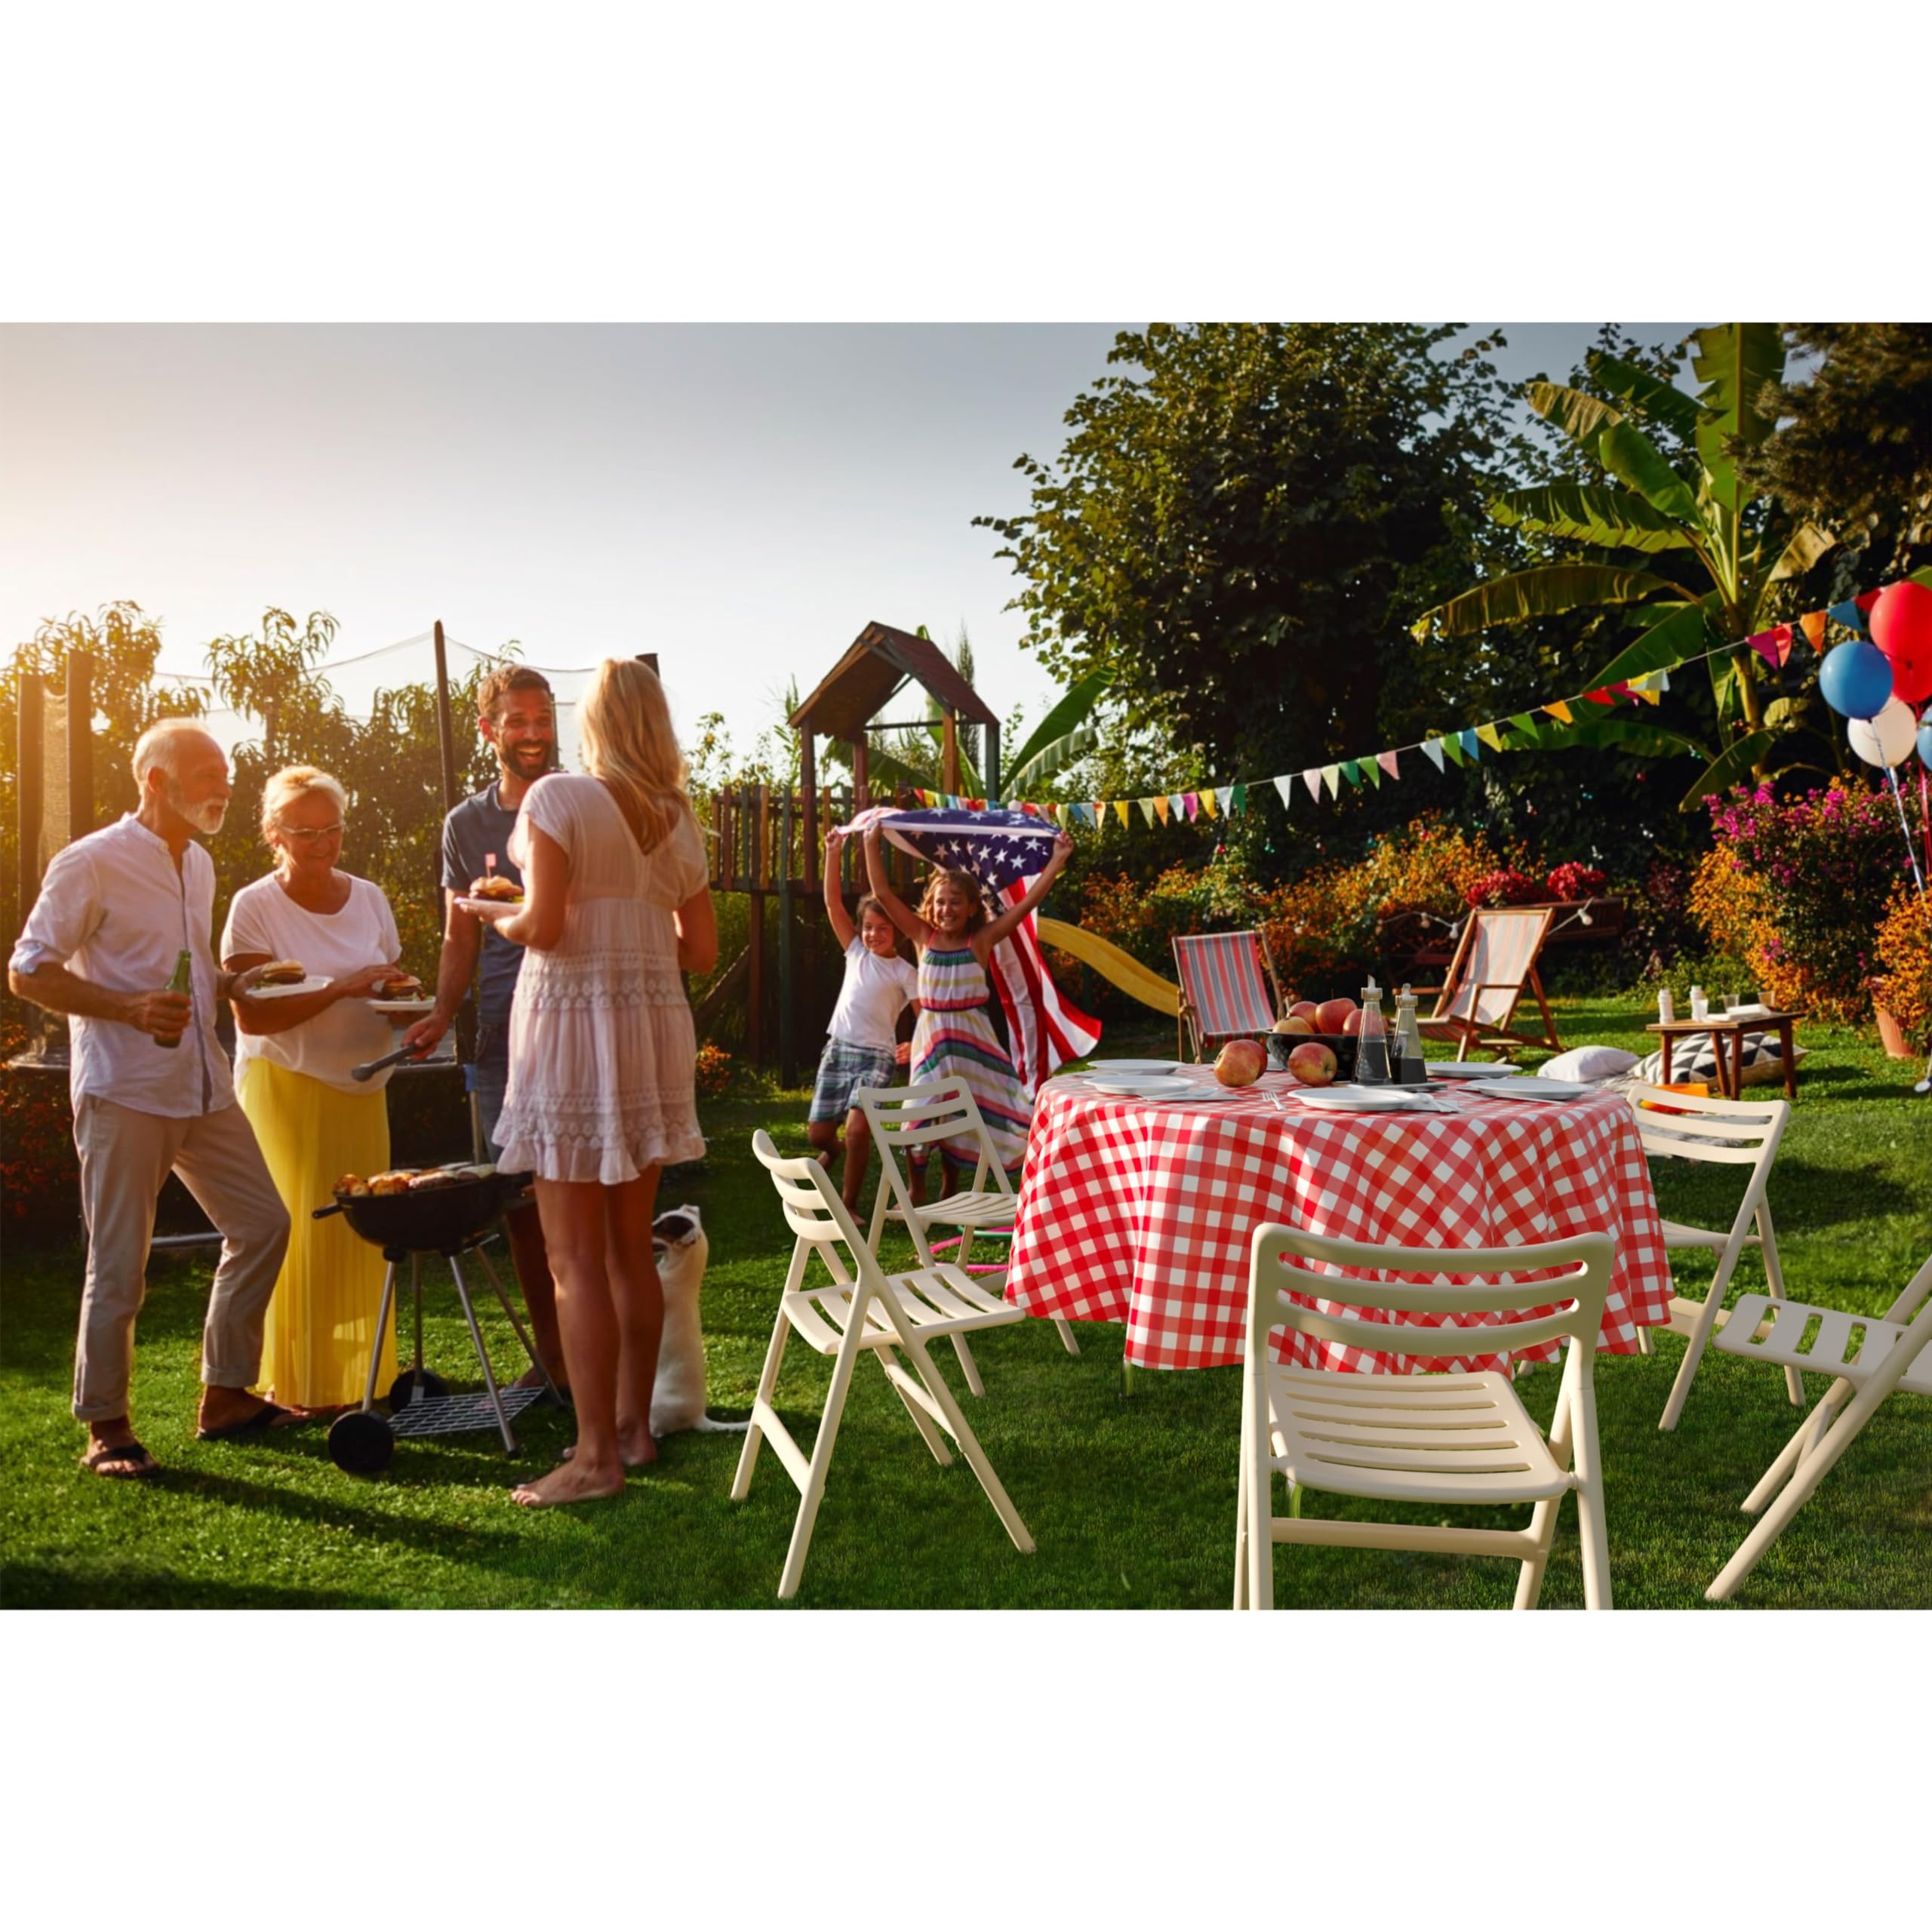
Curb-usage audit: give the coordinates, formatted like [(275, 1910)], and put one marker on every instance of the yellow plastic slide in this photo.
[(1122, 969)]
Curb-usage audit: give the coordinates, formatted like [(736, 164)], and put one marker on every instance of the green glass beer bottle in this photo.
[(184, 982)]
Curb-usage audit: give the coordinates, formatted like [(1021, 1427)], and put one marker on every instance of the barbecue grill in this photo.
[(453, 1218)]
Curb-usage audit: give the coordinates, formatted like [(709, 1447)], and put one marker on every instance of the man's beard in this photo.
[(541, 756), (205, 817)]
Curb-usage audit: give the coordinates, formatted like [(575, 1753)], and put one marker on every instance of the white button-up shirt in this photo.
[(113, 909)]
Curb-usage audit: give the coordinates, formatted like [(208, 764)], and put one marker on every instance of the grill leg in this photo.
[(416, 1288), (516, 1322), (482, 1356), (376, 1346)]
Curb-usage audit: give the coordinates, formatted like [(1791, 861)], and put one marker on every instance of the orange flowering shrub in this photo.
[(38, 1163), (1904, 984), (714, 1069)]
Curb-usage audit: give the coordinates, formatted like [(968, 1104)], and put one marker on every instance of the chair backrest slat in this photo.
[(818, 1217), (1221, 975), (1688, 1127)]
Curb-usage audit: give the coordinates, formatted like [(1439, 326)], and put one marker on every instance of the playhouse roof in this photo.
[(880, 661)]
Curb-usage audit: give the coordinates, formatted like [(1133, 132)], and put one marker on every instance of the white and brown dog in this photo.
[(677, 1397)]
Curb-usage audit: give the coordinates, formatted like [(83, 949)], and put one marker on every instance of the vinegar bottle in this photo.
[(1372, 1050)]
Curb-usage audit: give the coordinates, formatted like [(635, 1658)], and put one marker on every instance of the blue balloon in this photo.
[(1856, 679), (1925, 736)]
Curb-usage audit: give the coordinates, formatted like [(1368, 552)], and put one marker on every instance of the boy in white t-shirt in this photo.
[(863, 1049)]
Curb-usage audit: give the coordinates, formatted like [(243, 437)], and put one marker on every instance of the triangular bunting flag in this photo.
[(1648, 689), (1600, 697), (1490, 736), (1522, 722), (1207, 801), (1235, 799), (1285, 785), (1146, 809), (1371, 770), (1848, 614), (1559, 709), (1388, 761), (1472, 744), (1121, 807), (1349, 770), (1224, 797), (1453, 745), (1162, 808), (1312, 778), (1331, 776), (1432, 750), (1190, 803), (1865, 599), (1774, 646), (1814, 623)]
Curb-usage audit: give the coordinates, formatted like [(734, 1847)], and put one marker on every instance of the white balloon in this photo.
[(1887, 739)]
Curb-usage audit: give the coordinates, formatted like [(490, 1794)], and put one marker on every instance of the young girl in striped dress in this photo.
[(955, 1039)]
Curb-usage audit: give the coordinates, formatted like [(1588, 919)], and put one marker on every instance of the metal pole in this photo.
[(992, 764), (788, 1058), (445, 732), (31, 777), (80, 744)]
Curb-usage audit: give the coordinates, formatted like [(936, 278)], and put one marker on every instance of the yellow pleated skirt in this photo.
[(322, 1318)]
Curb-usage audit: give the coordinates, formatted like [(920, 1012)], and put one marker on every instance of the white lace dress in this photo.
[(602, 1051)]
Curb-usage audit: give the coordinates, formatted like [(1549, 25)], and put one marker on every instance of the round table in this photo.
[(1142, 1212)]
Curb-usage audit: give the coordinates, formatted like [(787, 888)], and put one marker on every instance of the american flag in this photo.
[(1004, 851)]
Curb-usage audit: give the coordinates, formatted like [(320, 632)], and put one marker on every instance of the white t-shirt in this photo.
[(262, 918), (874, 994)]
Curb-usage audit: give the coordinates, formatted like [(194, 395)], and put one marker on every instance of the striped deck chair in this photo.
[(1495, 962), (1222, 993)]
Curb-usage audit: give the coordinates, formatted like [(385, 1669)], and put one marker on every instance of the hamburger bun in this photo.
[(496, 886), (282, 972), (405, 985), (353, 1185), (394, 1181), (434, 1177)]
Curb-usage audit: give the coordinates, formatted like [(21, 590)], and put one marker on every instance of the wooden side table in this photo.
[(1731, 1068)]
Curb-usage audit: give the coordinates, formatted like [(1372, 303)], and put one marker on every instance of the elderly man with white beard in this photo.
[(152, 1089)]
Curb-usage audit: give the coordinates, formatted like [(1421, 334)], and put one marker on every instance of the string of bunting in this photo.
[(1463, 745)]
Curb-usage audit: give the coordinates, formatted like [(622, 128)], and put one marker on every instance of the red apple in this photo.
[(1304, 1009), (1296, 1023), (1240, 1062), (1353, 1023), (1312, 1064), (1333, 1016)]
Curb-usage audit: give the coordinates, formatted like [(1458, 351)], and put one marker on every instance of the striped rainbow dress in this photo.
[(954, 1040)]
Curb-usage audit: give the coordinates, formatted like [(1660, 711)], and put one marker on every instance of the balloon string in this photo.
[(1905, 826), (1925, 814)]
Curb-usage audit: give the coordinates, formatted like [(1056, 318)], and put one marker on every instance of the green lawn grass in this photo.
[(1130, 1498)]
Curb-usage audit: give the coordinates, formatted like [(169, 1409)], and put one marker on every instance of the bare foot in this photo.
[(567, 1483)]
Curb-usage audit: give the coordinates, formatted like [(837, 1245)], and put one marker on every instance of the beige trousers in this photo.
[(125, 1156)]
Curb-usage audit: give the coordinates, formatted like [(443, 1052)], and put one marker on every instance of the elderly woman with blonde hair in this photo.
[(602, 1051), (293, 1061)]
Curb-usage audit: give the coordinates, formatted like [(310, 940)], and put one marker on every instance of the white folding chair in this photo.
[(1436, 1438), (1868, 1360), (862, 1309), (907, 1117), (1738, 1133)]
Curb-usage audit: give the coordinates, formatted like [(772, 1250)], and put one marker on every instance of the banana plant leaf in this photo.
[(1733, 767), (1636, 736), (1632, 458), (1682, 634), (1544, 591), (1615, 519), (1069, 710), (1581, 417), (1051, 757), (1733, 362), (1649, 395), (1801, 552)]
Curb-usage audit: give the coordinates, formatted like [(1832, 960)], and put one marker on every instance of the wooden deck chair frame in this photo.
[(1371, 1436), (1471, 1033), (1189, 1015), (903, 1117), (1748, 1133), (1870, 1361), (862, 1310)]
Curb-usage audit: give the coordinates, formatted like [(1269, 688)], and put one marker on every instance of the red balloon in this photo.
[(1901, 623)]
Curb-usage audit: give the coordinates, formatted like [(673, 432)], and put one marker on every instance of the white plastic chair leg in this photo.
[(1241, 1508), (1594, 1531), (1804, 1438), (813, 1493), (968, 1366), (934, 1437), (1794, 1382), (767, 1384), (1701, 1333), (969, 1447)]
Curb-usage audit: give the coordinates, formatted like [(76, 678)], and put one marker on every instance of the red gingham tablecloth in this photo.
[(1135, 1212)]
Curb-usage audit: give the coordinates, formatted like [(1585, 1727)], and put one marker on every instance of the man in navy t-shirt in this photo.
[(519, 721)]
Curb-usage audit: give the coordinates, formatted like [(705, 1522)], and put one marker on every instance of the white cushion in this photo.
[(1588, 1063)]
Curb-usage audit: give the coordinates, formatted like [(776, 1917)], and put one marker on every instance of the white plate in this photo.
[(1469, 1069), (1528, 1086), (1104, 1067), (1352, 1100), (311, 984), (488, 908), (404, 1009), (1146, 1088)]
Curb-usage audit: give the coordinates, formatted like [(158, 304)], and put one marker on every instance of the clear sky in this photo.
[(741, 499)]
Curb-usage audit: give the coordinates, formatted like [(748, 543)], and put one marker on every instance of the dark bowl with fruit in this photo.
[(1342, 1045)]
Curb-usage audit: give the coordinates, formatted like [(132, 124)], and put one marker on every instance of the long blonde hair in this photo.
[(624, 725)]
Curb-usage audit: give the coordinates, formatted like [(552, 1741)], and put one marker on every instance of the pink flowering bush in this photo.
[(1796, 888), (1506, 887), (1575, 881)]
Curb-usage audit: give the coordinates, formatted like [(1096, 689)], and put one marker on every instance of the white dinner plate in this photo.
[(404, 1009), (1469, 1069), (1147, 1087), (1528, 1086), (1351, 1100), (489, 907), (1105, 1067), (312, 984)]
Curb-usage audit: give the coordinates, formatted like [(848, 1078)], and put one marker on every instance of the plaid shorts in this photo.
[(841, 1067)]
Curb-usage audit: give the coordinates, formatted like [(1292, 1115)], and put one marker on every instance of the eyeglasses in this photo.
[(305, 836)]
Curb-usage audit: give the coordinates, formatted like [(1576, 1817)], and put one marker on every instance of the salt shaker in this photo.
[(1666, 1007), (1699, 1007)]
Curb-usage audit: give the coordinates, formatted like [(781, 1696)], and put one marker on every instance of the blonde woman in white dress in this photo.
[(603, 1053)]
